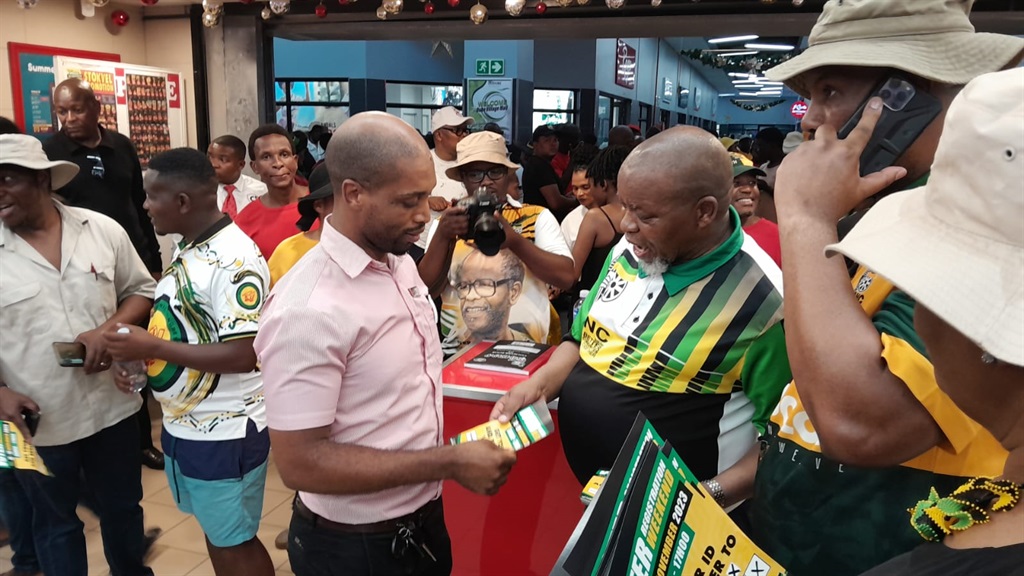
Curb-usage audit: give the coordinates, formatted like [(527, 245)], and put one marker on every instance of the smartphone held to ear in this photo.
[(70, 354), (906, 112)]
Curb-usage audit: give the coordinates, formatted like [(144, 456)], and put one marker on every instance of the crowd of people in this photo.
[(853, 415)]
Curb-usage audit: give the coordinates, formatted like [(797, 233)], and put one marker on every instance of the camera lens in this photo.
[(886, 94), (901, 96), (488, 234)]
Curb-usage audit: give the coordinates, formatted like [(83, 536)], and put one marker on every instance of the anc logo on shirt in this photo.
[(613, 286), (164, 325), (248, 296)]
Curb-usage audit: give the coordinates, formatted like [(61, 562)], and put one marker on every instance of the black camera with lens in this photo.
[(484, 229)]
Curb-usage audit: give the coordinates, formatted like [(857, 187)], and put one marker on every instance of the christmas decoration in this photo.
[(266, 13), (27, 4), (750, 64), (150, 2), (382, 13), (120, 18), (756, 107), (655, 3), (99, 3), (514, 7), (321, 10), (615, 4), (279, 6), (453, 3), (478, 13), (393, 6), (798, 3), (428, 7), (541, 8), (564, 3), (583, 2), (343, 2), (215, 6), (211, 19)]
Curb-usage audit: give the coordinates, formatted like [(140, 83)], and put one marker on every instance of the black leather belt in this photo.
[(382, 527)]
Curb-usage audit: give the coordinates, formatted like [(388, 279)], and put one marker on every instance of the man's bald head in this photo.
[(76, 88), (371, 148), (621, 136), (685, 161)]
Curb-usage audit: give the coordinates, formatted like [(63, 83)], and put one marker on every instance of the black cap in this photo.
[(319, 188), (542, 131)]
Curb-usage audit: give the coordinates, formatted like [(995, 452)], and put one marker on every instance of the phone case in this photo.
[(906, 113), (69, 354)]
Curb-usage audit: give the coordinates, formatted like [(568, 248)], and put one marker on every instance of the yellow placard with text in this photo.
[(16, 452)]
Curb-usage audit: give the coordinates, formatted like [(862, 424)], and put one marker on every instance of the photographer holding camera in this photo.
[(488, 221)]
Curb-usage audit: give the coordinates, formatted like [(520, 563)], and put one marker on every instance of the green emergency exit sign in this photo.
[(490, 67)]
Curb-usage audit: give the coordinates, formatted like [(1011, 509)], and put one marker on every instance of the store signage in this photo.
[(490, 67), (490, 101), (625, 64), (173, 91), (121, 87), (799, 109)]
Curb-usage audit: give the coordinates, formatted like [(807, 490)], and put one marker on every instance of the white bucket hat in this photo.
[(932, 39), (956, 245), (480, 147), (27, 152), (448, 117)]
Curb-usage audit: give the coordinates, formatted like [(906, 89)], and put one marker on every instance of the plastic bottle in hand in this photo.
[(136, 369), (579, 304)]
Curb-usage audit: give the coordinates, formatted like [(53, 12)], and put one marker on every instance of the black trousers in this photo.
[(317, 551)]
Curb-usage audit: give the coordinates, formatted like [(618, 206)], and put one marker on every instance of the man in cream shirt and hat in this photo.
[(68, 275), (863, 429)]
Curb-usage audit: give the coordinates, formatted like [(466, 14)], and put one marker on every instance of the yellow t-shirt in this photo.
[(287, 253)]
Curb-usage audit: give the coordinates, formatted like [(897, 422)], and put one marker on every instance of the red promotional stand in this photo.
[(521, 530)]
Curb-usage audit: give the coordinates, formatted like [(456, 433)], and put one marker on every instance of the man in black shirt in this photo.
[(540, 182), (109, 181)]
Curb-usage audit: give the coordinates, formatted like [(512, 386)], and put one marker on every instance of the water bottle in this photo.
[(579, 304), (136, 369)]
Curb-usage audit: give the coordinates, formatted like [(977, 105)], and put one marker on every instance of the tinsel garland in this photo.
[(736, 63), (757, 107)]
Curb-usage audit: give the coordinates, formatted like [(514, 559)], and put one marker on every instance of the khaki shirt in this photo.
[(40, 305)]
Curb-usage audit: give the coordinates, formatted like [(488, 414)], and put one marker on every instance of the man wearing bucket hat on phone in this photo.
[(969, 218), (864, 428), (66, 276)]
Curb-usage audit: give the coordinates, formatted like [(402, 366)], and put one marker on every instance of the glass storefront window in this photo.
[(553, 107), (302, 103)]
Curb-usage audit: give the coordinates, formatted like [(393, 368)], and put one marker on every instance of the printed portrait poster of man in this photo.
[(492, 298)]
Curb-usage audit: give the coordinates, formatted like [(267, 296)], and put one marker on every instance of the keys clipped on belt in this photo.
[(410, 539)]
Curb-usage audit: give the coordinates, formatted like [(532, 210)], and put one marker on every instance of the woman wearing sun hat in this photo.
[(968, 221)]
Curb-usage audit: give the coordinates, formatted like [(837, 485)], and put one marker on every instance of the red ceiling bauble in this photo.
[(541, 8), (453, 3), (428, 7), (119, 18), (150, 2), (321, 11)]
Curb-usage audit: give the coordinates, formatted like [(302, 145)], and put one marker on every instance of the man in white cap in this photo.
[(863, 429), (967, 219), (449, 128), (67, 275)]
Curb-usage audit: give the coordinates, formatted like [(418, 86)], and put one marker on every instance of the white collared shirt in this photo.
[(246, 190), (40, 305)]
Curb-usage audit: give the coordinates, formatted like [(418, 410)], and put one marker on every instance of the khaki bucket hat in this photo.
[(956, 245), (27, 152), (932, 39), (480, 147)]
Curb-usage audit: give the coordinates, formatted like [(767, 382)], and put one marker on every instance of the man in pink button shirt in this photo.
[(351, 367)]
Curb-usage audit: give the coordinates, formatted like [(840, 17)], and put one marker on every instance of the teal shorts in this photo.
[(228, 508)]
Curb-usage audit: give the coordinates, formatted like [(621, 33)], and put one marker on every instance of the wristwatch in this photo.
[(716, 491)]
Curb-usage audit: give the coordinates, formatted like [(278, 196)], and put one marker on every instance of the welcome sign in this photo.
[(491, 100)]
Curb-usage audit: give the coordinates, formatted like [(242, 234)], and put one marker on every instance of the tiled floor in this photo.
[(181, 548)]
